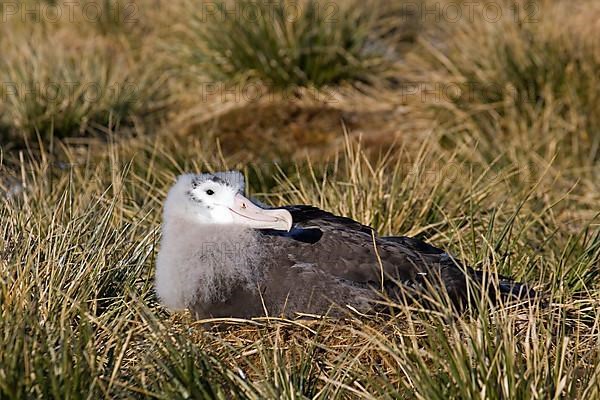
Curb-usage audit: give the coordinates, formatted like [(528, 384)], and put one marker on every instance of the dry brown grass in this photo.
[(509, 187)]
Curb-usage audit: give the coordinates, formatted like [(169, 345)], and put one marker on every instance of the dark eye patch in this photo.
[(210, 192)]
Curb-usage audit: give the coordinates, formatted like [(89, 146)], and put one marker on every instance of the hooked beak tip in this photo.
[(286, 220)]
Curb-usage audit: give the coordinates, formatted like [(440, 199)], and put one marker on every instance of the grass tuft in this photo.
[(520, 76), (307, 43), (65, 89)]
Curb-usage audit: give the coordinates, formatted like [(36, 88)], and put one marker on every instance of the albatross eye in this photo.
[(210, 192)]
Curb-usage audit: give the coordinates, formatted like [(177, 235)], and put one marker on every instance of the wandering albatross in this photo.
[(222, 255)]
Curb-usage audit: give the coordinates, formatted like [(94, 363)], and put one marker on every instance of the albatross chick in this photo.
[(222, 255)]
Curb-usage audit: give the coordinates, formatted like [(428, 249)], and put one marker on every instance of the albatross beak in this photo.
[(246, 213)]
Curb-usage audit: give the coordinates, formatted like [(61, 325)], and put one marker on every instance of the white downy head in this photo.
[(217, 199)]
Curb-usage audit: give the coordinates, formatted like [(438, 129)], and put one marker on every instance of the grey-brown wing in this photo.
[(349, 250), (345, 249)]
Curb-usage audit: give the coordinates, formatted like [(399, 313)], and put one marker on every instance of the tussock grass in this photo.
[(77, 302), (294, 44), (57, 85), (509, 186), (519, 76)]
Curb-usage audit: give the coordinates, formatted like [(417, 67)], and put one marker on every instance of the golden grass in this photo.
[(531, 76), (508, 187), (77, 268)]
